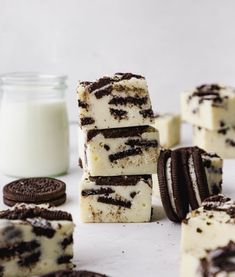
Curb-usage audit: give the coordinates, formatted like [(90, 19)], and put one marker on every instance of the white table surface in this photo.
[(126, 250)]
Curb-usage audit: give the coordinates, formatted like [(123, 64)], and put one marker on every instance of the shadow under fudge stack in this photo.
[(118, 149), (211, 111)]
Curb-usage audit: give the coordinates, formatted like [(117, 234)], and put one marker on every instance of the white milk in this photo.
[(34, 138)]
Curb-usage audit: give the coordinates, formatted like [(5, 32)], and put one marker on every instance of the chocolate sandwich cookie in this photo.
[(35, 190), (172, 185), (195, 175), (73, 273)]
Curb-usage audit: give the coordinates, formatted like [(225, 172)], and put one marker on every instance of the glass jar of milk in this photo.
[(34, 139)]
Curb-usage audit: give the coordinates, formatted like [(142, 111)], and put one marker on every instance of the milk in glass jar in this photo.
[(34, 139)]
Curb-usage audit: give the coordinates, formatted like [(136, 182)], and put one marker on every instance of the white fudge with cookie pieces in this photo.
[(210, 226), (35, 240), (209, 106), (114, 102), (221, 141), (168, 126), (120, 151), (213, 166), (218, 262), (115, 198)]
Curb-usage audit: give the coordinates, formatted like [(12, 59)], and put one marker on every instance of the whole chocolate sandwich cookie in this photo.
[(73, 273), (171, 185), (203, 174), (35, 240), (35, 190), (186, 176)]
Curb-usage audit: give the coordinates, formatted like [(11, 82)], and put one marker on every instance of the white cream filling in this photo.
[(170, 184), (194, 180)]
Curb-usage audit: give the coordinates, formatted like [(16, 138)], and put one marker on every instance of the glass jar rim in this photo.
[(32, 79)]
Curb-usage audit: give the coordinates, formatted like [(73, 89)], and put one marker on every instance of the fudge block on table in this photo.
[(121, 151), (210, 226), (35, 240), (114, 102), (218, 262), (115, 198), (209, 106), (168, 126), (221, 141)]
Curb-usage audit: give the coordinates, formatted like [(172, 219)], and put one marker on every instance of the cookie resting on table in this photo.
[(35, 190)]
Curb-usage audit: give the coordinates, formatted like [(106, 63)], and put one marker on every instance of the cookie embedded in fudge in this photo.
[(115, 198), (219, 261), (121, 151), (168, 126), (209, 106), (221, 141), (35, 240), (210, 226), (114, 102)]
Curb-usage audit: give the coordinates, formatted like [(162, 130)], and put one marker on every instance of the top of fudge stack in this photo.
[(123, 102), (210, 106)]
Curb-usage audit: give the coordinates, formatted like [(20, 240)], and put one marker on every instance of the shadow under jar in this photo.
[(34, 134)]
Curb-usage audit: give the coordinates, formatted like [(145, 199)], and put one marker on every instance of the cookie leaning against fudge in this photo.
[(187, 176)]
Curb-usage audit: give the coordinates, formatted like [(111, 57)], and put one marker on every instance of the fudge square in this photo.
[(168, 126), (209, 106), (113, 102), (115, 199), (120, 151), (35, 240), (210, 226), (212, 262), (221, 141)]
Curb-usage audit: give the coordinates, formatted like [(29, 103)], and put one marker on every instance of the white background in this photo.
[(176, 44)]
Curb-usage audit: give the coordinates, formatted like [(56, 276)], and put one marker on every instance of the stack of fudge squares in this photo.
[(118, 149), (211, 111)]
